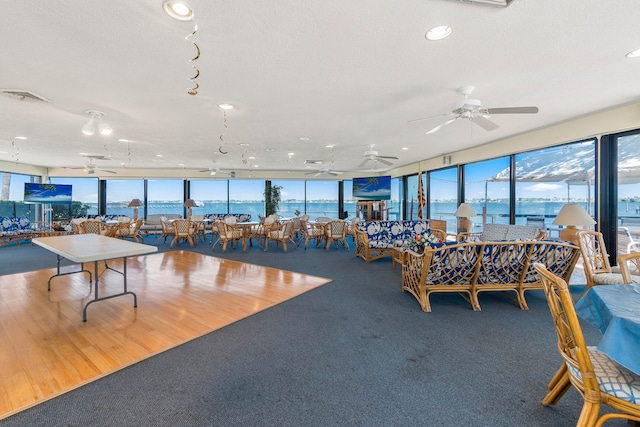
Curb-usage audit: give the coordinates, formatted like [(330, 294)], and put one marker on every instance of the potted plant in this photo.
[(271, 198)]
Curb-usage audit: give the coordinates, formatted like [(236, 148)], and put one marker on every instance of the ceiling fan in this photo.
[(472, 109), (215, 171), (91, 169), (324, 171), (372, 156)]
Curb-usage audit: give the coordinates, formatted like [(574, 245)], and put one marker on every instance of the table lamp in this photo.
[(135, 204), (189, 203), (571, 215), (463, 213)]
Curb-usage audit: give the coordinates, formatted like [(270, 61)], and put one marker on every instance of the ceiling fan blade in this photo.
[(388, 157), (430, 117), (335, 173), (513, 110), (440, 126), (385, 162), (485, 123), (107, 171)]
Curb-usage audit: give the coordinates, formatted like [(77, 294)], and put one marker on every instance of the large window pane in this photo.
[(547, 179), (210, 196), (247, 196), (486, 189), (84, 195), (629, 192), (394, 206), (120, 192), (322, 199), (349, 202), (291, 198), (12, 197), (165, 197), (443, 196)]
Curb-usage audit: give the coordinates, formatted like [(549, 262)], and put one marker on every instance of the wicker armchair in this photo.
[(312, 231), (282, 233), (94, 226), (229, 233), (184, 229), (336, 232), (128, 229), (597, 378), (166, 229)]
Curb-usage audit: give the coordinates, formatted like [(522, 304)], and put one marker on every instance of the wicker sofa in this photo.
[(473, 267), (376, 239), (17, 229), (151, 224)]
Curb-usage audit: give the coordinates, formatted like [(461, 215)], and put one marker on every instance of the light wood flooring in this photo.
[(48, 350)]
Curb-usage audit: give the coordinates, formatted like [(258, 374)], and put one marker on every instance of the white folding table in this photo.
[(81, 248)]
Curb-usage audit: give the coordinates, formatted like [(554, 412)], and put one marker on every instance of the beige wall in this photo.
[(606, 122)]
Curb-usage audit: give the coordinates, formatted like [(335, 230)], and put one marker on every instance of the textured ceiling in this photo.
[(346, 73)]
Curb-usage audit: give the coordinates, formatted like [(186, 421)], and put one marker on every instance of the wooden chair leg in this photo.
[(558, 386)]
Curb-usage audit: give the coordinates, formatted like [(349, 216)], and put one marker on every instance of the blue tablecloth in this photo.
[(615, 309)]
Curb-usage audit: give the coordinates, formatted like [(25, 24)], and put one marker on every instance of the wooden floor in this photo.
[(47, 349)]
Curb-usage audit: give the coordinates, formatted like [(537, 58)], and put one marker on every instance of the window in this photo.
[(486, 189), (84, 196), (628, 191), (442, 199), (322, 199), (247, 196), (291, 197), (165, 196), (210, 196), (119, 195), (549, 178), (12, 197)]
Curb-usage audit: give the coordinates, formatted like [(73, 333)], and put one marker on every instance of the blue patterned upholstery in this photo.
[(613, 378), (376, 239), (15, 229), (220, 217)]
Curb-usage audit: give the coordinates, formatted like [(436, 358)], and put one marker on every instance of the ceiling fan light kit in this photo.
[(96, 121)]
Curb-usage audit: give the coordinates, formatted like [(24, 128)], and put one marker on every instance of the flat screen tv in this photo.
[(47, 193), (372, 188)]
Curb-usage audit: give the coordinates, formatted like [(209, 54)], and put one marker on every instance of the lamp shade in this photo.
[(465, 211), (135, 203), (573, 214), (189, 203)]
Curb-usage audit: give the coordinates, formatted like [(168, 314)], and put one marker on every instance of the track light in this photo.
[(89, 128)]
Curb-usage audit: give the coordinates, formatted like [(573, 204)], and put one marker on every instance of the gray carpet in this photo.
[(355, 352)]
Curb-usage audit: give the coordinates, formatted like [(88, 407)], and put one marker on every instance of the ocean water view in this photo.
[(497, 212)]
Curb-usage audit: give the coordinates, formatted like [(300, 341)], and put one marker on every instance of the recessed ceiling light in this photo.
[(291, 154), (256, 166), (329, 145), (244, 144), (158, 155), (226, 106), (404, 148), (438, 33), (178, 10), (633, 54), (252, 158), (303, 138), (19, 137)]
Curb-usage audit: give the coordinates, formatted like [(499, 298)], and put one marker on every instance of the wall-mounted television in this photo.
[(47, 193), (372, 188)]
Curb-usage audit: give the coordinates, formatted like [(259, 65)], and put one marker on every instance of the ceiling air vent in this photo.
[(500, 3), (23, 95)]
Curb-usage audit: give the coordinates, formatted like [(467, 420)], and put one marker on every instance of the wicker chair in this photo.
[(129, 229), (336, 231), (597, 268), (280, 233), (312, 231), (597, 378), (166, 229), (626, 240), (229, 233), (183, 229), (94, 226)]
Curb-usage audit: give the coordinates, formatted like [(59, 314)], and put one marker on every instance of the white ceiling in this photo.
[(347, 73)]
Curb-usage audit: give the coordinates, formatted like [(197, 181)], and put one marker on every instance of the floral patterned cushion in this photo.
[(389, 234)]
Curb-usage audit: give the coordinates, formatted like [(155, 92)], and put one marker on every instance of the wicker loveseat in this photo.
[(376, 239), (17, 229), (473, 267)]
